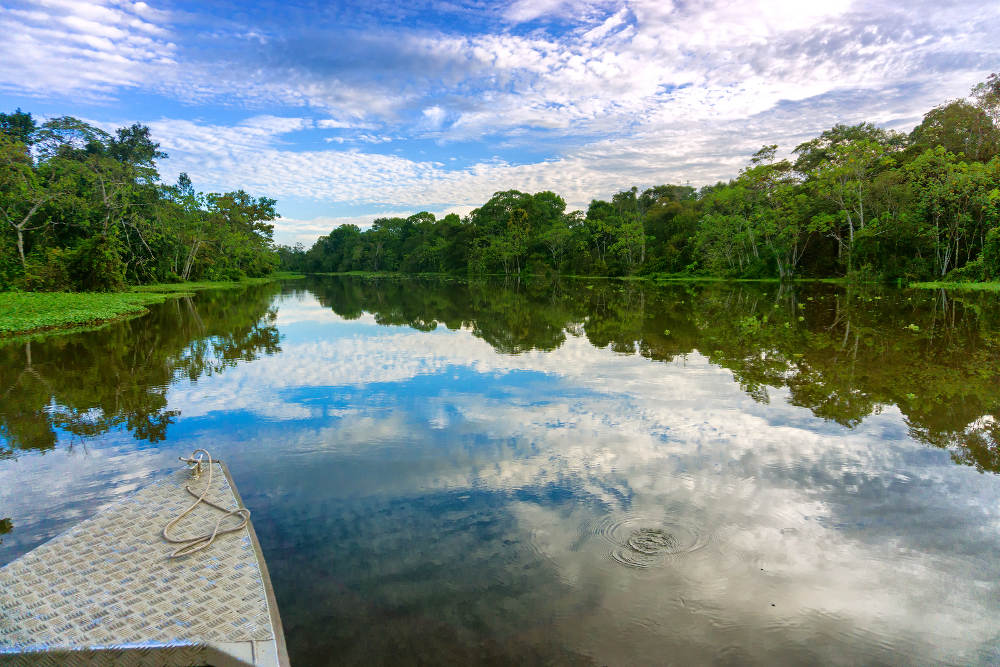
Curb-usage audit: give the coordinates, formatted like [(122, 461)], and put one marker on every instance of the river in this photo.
[(558, 472)]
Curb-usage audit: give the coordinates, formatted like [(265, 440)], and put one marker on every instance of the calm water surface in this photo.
[(569, 473)]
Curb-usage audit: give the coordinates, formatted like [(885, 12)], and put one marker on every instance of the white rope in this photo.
[(194, 544)]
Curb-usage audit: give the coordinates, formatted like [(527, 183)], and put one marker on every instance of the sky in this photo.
[(345, 112)]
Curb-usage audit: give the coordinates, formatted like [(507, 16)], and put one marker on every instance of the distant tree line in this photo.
[(83, 209), (857, 201)]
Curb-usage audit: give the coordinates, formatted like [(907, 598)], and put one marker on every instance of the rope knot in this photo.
[(195, 544)]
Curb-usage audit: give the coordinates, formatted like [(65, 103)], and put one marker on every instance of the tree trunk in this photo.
[(20, 247), (190, 260)]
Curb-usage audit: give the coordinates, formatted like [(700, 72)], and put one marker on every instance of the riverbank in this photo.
[(660, 278), (969, 287), (567, 276), (34, 312), (655, 278), (192, 286), (28, 312)]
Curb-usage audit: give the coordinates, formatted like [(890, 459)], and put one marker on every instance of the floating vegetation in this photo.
[(32, 311)]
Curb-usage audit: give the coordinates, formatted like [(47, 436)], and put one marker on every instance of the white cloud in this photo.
[(329, 123), (270, 126), (82, 48), (336, 124), (521, 11), (290, 231), (602, 30), (434, 116), (248, 155)]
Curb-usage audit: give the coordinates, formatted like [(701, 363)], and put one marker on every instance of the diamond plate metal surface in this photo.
[(108, 580), (119, 656)]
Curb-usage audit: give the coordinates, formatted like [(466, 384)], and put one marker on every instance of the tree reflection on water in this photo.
[(88, 383), (844, 354)]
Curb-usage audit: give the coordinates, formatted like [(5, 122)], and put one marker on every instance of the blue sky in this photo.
[(347, 111)]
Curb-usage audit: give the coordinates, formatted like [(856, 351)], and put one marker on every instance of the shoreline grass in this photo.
[(41, 312), (968, 287), (34, 312), (651, 278), (665, 279), (197, 286)]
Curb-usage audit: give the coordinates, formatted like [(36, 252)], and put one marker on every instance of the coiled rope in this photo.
[(195, 544)]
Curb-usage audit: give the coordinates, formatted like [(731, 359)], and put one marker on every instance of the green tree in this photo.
[(845, 178), (557, 237), (986, 96), (24, 192), (777, 209), (18, 127), (959, 127), (955, 204), (811, 154)]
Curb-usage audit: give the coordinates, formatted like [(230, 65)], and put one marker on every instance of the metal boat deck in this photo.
[(106, 591)]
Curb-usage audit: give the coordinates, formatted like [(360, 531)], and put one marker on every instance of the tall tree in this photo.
[(18, 126), (961, 128), (844, 177), (27, 192)]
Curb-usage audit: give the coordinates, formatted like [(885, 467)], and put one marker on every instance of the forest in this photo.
[(858, 201), (85, 210)]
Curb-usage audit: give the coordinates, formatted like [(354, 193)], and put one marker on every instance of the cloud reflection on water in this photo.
[(790, 504), (430, 486)]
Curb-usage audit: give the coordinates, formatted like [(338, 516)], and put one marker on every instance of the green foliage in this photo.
[(84, 209), (813, 153), (48, 271), (97, 266), (22, 311), (972, 272), (18, 126), (858, 202), (11, 270), (990, 256), (961, 128), (46, 308), (197, 286), (959, 286)]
